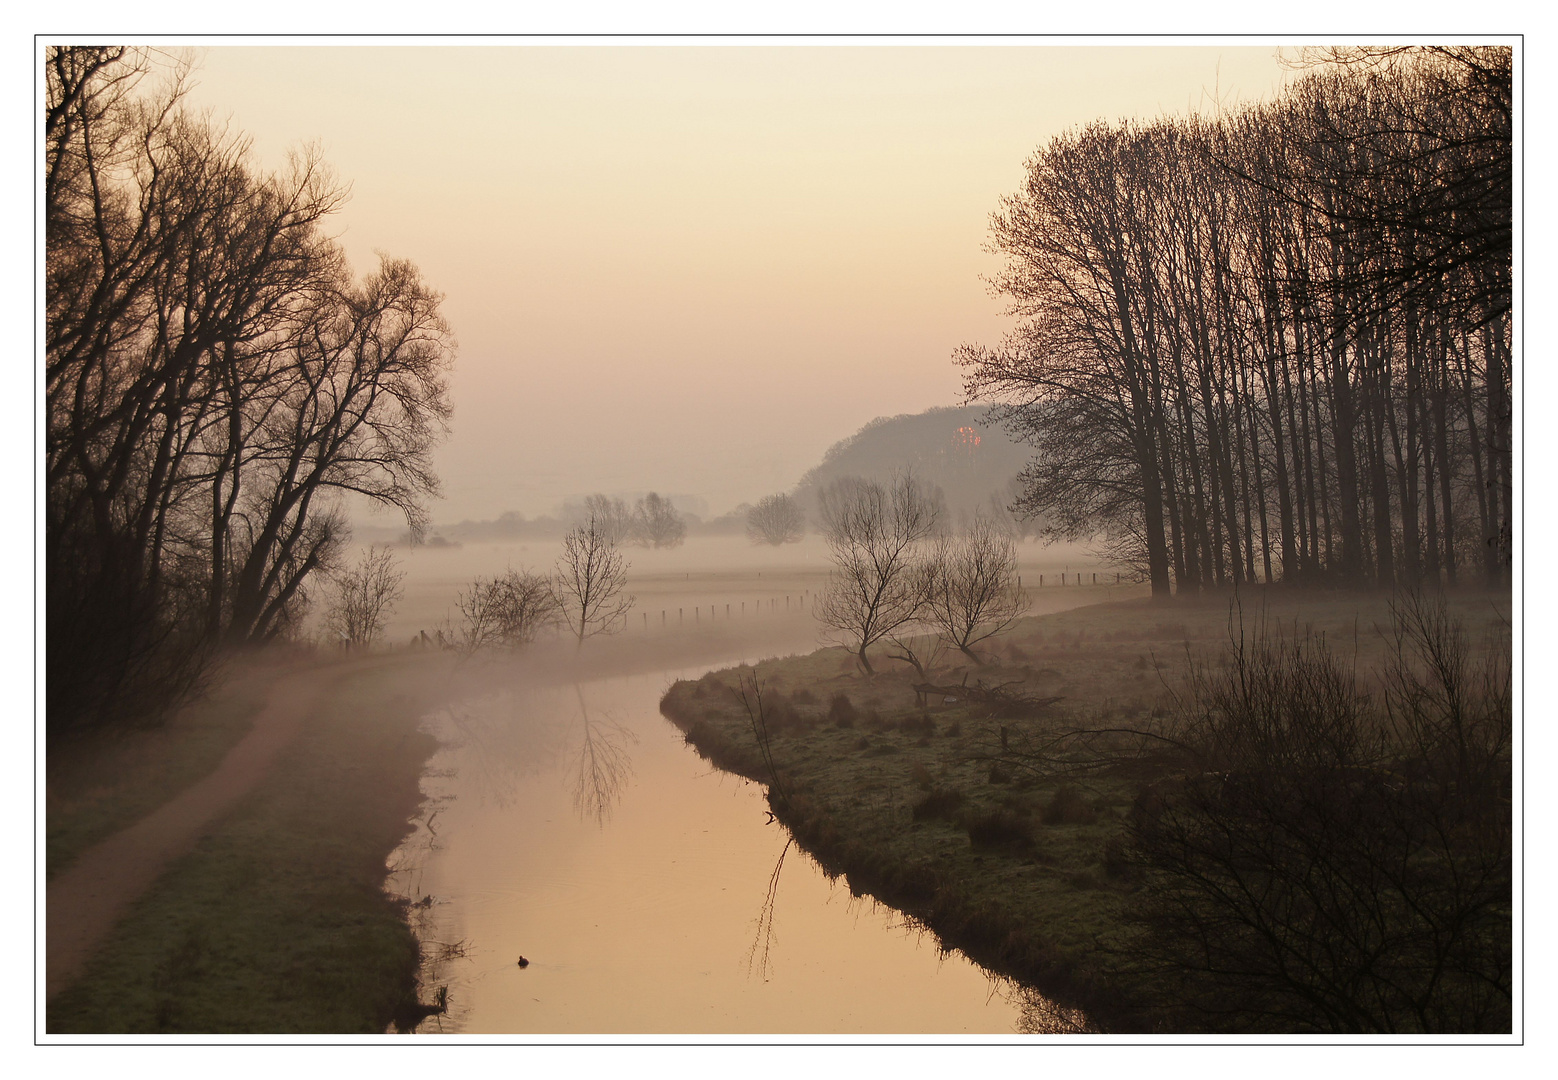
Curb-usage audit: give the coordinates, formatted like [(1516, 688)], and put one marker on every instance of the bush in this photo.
[(917, 724), (1380, 836), (938, 803), (507, 611), (780, 714), (841, 711), (1068, 807), (1002, 826)]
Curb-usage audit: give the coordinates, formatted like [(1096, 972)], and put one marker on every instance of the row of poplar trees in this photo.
[(216, 382), (1274, 344)]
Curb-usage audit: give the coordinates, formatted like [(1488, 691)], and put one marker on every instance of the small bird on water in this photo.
[(523, 962)]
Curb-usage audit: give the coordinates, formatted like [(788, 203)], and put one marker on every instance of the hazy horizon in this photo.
[(752, 248)]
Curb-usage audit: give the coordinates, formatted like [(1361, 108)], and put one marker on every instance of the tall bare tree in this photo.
[(215, 382), (1275, 345)]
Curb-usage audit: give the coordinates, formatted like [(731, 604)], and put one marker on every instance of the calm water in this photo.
[(571, 825)]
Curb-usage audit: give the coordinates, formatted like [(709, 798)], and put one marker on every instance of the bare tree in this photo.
[(507, 611), (604, 765), (656, 522), (215, 383), (1276, 345), (776, 519), (972, 591), (589, 581), (875, 534), (362, 596), (612, 517)]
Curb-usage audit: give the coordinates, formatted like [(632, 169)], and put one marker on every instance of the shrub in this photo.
[(938, 803), (780, 714), (1068, 807), (1115, 862), (999, 827), (917, 724), (841, 711), (1399, 811)]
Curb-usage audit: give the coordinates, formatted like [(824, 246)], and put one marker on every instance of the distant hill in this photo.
[(974, 462)]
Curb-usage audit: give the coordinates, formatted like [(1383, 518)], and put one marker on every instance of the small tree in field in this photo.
[(656, 522), (612, 517), (875, 533), (776, 519), (972, 591), (589, 581), (507, 611), (362, 596)]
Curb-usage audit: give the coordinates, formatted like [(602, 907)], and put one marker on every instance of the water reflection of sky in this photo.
[(572, 825)]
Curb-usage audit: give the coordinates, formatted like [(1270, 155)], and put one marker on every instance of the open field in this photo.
[(703, 573), (936, 809)]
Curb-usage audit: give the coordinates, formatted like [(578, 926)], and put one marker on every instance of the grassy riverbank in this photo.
[(98, 784), (278, 921), (937, 809)]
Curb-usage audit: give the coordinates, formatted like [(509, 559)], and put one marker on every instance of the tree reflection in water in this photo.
[(602, 767), (1037, 1014), (759, 955), (498, 740)]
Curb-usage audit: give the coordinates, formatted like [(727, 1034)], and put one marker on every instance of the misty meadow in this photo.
[(778, 540)]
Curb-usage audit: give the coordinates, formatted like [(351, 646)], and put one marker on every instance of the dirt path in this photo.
[(89, 897)]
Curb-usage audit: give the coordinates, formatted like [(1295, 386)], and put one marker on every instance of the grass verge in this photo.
[(278, 921), (99, 784)]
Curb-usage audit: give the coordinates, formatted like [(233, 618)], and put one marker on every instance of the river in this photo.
[(648, 891)]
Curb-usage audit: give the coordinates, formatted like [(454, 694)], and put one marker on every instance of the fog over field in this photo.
[(704, 571)]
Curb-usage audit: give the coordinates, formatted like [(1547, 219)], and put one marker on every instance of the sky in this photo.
[(690, 269)]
